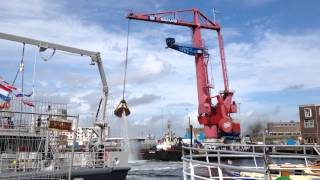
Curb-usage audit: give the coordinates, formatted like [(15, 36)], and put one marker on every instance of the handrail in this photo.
[(258, 145), (217, 156), (223, 165)]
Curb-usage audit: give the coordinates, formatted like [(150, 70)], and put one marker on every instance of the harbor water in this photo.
[(150, 170), (156, 170)]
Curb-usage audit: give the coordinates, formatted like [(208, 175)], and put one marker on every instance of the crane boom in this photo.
[(95, 58), (215, 118), (158, 18)]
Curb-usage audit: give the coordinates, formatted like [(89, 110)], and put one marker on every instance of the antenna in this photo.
[(214, 14)]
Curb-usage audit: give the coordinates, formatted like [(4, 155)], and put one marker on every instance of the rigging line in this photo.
[(34, 72), (22, 80), (22, 57), (126, 61)]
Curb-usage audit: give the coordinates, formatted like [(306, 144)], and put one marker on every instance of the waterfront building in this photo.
[(290, 128), (309, 123), (84, 135)]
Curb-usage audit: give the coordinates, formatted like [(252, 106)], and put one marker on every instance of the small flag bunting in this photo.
[(21, 95), (28, 103)]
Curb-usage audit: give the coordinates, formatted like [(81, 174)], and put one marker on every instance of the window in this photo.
[(307, 112), (308, 123)]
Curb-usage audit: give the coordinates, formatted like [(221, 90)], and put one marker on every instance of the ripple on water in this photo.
[(150, 170)]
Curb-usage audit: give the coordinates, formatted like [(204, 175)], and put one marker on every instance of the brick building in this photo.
[(290, 128), (309, 123)]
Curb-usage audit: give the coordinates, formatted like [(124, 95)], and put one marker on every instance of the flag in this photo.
[(28, 103), (4, 93), (21, 95), (18, 95), (28, 95), (5, 105), (11, 87), (5, 88), (7, 85)]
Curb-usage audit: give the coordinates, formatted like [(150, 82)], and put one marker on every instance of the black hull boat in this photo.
[(162, 155), (169, 148)]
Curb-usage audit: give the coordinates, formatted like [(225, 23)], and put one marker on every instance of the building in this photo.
[(84, 135), (309, 123), (290, 128)]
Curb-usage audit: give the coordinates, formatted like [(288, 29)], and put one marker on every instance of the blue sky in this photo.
[(272, 50)]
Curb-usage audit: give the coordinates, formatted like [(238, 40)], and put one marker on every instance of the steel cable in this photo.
[(126, 61)]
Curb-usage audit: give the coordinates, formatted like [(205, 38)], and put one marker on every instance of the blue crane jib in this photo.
[(192, 51)]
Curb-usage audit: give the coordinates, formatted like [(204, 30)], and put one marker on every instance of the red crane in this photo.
[(215, 117)]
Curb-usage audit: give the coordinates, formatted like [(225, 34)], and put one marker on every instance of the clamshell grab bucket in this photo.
[(122, 107)]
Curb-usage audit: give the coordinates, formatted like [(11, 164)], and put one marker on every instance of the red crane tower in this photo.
[(215, 117)]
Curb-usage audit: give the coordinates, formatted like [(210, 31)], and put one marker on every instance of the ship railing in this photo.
[(224, 161), (33, 147), (29, 146), (33, 165)]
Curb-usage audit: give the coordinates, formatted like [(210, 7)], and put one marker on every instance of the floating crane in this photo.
[(216, 118)]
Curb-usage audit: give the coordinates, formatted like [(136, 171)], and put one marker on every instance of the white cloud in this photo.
[(272, 62), (152, 65)]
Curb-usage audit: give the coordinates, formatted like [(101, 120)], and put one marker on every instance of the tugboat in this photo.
[(169, 148)]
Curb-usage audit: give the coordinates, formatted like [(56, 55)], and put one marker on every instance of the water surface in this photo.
[(149, 170)]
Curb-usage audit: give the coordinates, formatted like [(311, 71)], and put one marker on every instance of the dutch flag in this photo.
[(4, 93)]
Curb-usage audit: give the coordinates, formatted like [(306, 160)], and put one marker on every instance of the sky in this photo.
[(272, 53)]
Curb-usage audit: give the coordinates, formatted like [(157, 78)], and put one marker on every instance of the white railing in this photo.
[(228, 161)]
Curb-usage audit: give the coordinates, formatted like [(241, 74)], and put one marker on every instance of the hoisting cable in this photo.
[(126, 61), (123, 106)]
